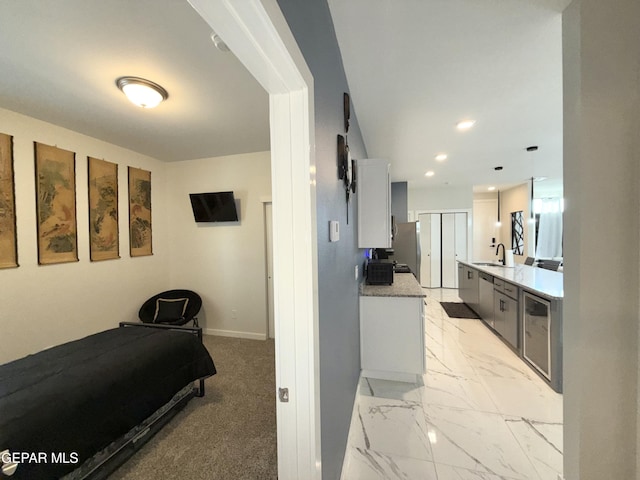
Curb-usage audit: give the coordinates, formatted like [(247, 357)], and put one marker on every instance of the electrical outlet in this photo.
[(234, 314)]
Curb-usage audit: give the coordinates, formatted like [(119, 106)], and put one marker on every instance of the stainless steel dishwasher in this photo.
[(485, 308)]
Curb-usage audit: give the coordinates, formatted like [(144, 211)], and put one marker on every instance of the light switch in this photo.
[(334, 231)]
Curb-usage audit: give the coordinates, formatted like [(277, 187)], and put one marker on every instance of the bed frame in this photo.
[(106, 461)]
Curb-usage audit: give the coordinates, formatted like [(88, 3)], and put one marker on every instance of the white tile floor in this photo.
[(481, 413)]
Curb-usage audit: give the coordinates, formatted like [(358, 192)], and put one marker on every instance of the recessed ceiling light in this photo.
[(141, 92), (441, 157), (465, 124), (430, 173), (491, 189)]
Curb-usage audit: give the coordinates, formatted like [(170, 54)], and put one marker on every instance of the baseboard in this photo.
[(231, 333)]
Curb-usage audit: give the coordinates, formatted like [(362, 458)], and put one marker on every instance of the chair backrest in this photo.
[(550, 264), (194, 304), (529, 261)]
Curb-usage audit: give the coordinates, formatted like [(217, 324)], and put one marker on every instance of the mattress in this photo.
[(62, 405)]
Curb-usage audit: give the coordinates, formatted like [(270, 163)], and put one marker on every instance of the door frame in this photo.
[(267, 213), (258, 34)]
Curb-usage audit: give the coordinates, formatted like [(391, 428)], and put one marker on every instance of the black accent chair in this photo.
[(173, 307), (529, 261), (549, 264)]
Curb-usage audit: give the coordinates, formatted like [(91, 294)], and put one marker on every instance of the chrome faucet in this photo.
[(503, 252)]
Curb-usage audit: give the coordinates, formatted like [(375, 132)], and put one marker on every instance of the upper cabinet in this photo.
[(374, 204)]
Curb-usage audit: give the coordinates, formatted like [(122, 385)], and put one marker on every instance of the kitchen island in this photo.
[(392, 330), (523, 306)]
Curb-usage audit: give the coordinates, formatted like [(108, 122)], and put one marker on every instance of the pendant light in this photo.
[(531, 150), (498, 223), (531, 216)]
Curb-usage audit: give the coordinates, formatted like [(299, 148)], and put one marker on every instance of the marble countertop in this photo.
[(537, 280), (404, 285)]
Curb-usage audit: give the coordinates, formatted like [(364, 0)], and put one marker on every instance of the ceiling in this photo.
[(59, 62), (414, 67), (417, 67)]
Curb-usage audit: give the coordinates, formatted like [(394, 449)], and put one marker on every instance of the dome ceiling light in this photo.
[(141, 92)]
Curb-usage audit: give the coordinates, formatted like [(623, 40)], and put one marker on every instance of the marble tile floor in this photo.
[(481, 414)]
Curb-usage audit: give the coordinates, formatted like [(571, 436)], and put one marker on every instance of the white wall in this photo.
[(41, 306), (225, 263), (441, 198), (514, 200), (601, 57)]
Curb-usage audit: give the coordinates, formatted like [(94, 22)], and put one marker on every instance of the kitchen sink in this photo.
[(488, 264)]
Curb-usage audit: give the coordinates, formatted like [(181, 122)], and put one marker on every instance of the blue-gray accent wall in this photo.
[(311, 24)]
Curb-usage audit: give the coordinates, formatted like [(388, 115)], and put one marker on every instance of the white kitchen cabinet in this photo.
[(374, 203), (392, 330), (392, 338)]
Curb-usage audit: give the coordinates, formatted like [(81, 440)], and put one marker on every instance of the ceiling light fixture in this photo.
[(498, 223), (141, 92), (441, 157), (491, 189), (465, 124), (532, 149), (430, 173)]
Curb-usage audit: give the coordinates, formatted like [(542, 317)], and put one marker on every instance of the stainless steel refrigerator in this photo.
[(406, 246)]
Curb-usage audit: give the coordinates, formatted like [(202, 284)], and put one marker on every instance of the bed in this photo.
[(79, 409)]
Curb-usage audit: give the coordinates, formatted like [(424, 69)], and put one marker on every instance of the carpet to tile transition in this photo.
[(458, 310), (230, 433)]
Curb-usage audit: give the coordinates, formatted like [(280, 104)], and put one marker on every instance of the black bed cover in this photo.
[(64, 404)]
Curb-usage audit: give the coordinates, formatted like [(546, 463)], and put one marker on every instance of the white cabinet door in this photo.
[(443, 242), (374, 204), (430, 233), (392, 337), (454, 246)]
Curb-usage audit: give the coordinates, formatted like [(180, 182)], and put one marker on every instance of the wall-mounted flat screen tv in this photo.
[(214, 207)]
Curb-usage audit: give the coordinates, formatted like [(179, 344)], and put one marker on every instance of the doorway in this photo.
[(444, 240), (485, 231), (258, 34)]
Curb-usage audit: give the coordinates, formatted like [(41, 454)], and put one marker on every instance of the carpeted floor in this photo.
[(228, 434)]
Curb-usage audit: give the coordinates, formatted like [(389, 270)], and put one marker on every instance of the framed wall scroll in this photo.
[(139, 212), (8, 237), (103, 210), (56, 204)]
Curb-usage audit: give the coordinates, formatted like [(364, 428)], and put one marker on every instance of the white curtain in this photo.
[(550, 229)]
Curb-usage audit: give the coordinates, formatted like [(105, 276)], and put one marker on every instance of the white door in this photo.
[(269, 246), (484, 229), (449, 267), (430, 248), (461, 241)]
